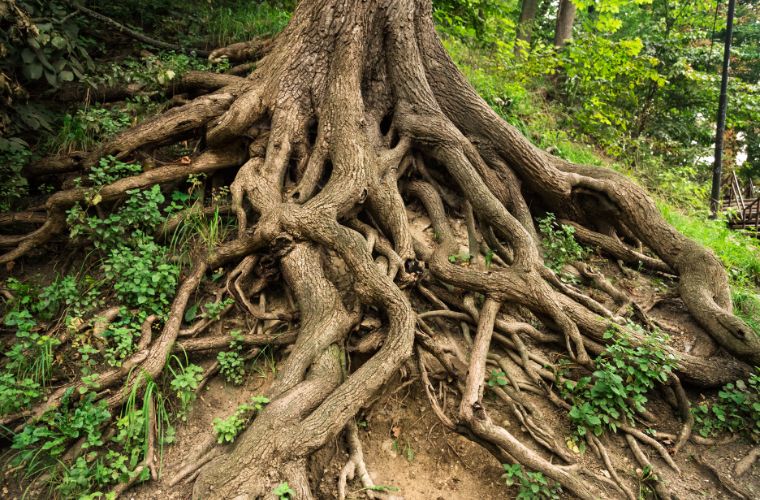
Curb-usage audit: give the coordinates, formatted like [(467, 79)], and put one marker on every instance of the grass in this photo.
[(740, 253), (239, 21)]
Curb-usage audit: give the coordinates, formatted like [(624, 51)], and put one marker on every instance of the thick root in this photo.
[(350, 124)]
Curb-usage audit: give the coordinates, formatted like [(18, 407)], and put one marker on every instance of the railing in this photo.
[(735, 193), (751, 215), (747, 214)]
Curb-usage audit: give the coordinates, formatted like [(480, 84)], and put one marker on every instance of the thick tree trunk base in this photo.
[(355, 115)]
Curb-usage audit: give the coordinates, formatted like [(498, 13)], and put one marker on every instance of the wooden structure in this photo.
[(744, 207)]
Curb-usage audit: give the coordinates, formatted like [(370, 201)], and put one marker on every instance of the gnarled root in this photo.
[(355, 127)]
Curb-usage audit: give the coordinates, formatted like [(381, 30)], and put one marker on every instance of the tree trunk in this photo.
[(355, 117), (720, 125), (525, 25), (565, 20)]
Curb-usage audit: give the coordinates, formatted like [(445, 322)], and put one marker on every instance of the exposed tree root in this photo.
[(746, 463), (355, 465), (354, 119), (724, 479)]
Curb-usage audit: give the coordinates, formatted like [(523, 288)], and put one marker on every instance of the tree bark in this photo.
[(355, 117), (525, 25), (720, 126), (565, 20)]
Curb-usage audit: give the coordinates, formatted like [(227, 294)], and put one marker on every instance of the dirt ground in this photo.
[(408, 450)]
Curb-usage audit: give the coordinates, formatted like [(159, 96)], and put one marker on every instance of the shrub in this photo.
[(560, 247), (624, 374), (227, 429), (533, 485), (143, 276), (736, 410)]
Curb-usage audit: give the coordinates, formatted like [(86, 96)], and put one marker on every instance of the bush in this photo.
[(533, 485), (560, 247), (143, 276), (737, 410), (14, 155), (617, 389), (227, 429)]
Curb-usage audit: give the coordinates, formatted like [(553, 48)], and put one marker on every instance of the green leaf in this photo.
[(191, 313), (33, 71), (58, 42), (51, 78), (28, 56)]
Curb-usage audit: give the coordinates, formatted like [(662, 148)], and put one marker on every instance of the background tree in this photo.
[(528, 11), (565, 21), (721, 119)]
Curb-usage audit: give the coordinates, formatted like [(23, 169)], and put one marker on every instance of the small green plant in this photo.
[(129, 225), (89, 126), (154, 72), (197, 226), (497, 378), (231, 363), (31, 356), (185, 381), (213, 310), (489, 258), (284, 492), (227, 429), (61, 293), (624, 374), (115, 460), (461, 258), (121, 335), (109, 170), (560, 247), (17, 393), (45, 441), (736, 410), (533, 485), (403, 448), (647, 480), (143, 276), (383, 488), (14, 155)]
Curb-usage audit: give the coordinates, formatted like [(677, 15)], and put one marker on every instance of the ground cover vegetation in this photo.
[(344, 197)]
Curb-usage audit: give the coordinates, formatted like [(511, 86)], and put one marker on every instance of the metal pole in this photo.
[(721, 126)]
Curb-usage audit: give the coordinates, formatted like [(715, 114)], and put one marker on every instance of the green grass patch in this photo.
[(242, 21), (739, 252)]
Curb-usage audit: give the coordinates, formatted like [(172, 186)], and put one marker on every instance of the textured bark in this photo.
[(565, 20), (528, 11), (354, 114)]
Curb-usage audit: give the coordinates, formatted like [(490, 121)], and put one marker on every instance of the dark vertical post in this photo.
[(721, 126)]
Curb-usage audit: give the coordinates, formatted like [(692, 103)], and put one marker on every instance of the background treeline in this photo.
[(637, 78)]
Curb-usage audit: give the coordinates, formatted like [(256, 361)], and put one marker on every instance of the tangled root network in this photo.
[(355, 122)]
